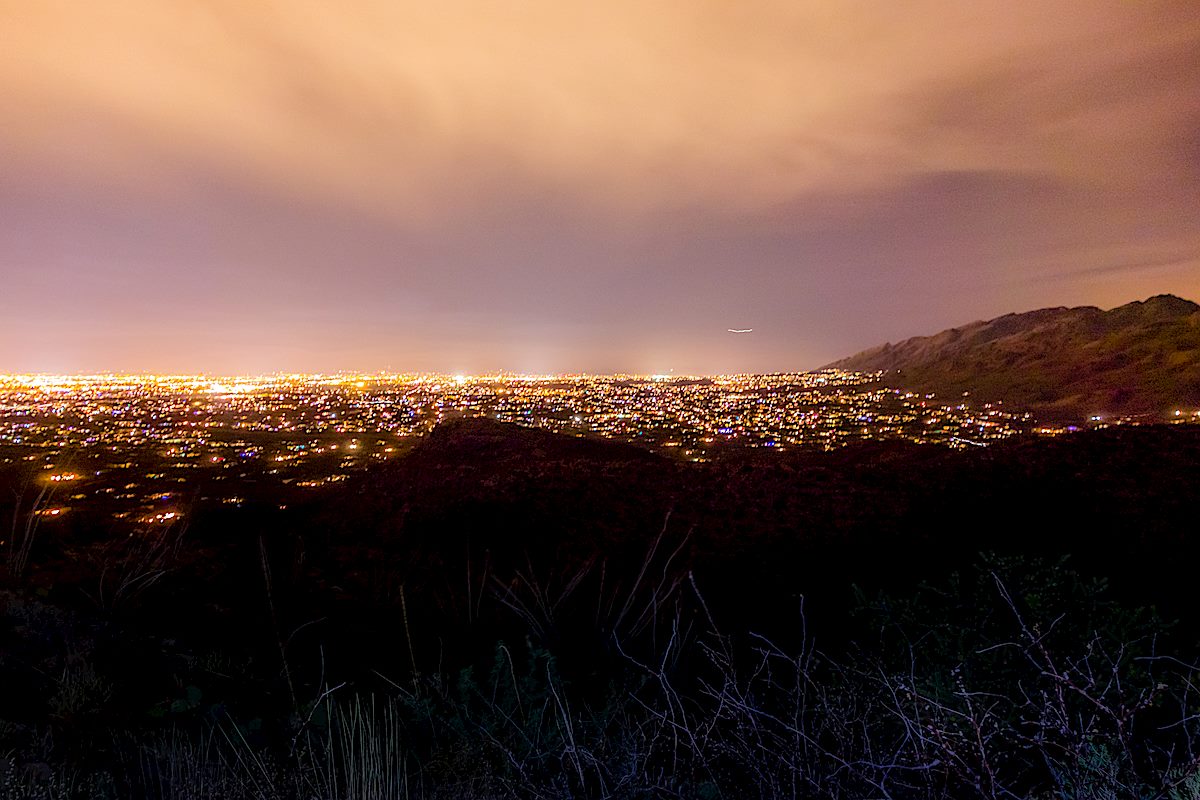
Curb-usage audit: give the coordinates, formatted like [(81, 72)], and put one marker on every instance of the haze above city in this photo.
[(234, 188)]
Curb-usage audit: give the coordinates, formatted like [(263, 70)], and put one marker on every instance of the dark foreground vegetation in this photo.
[(508, 613)]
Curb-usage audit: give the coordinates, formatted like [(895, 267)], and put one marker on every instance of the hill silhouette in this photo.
[(493, 568), (480, 497), (1142, 358)]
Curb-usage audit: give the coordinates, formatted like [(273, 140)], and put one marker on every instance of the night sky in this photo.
[(246, 186)]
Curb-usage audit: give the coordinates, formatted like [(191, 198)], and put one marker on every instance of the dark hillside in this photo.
[(758, 528), (495, 566), (480, 504)]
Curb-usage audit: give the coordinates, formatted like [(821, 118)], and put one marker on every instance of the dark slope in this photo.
[(525, 507), (479, 505), (1062, 363), (491, 533)]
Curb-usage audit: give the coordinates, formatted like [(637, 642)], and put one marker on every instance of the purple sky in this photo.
[(236, 186)]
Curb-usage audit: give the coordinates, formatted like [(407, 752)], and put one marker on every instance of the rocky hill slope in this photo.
[(1142, 358)]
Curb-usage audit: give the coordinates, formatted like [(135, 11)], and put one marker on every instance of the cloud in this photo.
[(329, 184), (1127, 264), (412, 108)]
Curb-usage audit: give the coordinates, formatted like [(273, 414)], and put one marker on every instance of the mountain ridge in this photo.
[(1138, 359)]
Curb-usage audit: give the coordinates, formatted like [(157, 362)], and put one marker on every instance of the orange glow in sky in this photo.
[(251, 186)]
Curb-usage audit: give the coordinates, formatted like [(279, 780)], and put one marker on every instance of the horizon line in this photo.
[(384, 374)]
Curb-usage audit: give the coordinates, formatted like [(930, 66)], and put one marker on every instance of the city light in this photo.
[(135, 441)]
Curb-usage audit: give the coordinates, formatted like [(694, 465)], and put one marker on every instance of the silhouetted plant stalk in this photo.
[(537, 599), (1030, 708), (1022, 716), (132, 565), (25, 523), (1078, 726), (361, 756), (276, 630)]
